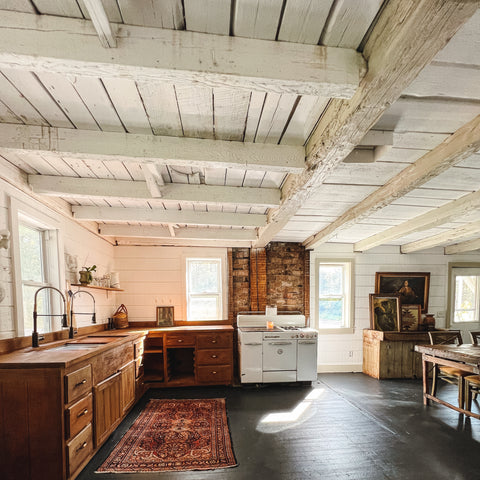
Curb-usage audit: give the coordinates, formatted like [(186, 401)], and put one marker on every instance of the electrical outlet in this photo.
[(350, 354), (440, 314)]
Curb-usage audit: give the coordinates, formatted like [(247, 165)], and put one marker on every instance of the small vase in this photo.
[(85, 277), (429, 322)]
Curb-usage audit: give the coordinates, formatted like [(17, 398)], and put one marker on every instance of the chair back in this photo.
[(475, 336), (450, 337)]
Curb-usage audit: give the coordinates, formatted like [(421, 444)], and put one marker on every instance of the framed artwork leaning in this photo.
[(385, 312), (165, 316), (410, 318), (412, 287)]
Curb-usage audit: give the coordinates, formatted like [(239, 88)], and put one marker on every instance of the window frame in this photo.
[(208, 254), (452, 266), (348, 268), (53, 259)]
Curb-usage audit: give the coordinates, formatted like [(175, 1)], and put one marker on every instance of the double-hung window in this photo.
[(204, 289), (464, 293), (333, 295)]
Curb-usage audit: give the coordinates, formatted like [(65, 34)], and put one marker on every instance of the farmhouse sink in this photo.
[(75, 346)]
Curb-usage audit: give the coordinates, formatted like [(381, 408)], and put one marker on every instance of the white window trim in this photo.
[(207, 253), (350, 304), (451, 294), (36, 216)]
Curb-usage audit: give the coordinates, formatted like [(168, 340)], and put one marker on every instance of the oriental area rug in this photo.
[(175, 435)]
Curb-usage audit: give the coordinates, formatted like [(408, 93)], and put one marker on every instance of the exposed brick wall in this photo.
[(240, 279)]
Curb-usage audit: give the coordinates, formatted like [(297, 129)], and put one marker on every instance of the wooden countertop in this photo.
[(56, 354)]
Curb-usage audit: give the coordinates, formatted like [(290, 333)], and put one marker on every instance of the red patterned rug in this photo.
[(175, 435)]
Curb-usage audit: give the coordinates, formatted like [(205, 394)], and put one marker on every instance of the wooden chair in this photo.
[(474, 336), (472, 382), (449, 374)]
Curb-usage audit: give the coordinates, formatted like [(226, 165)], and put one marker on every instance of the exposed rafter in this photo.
[(107, 188), (111, 230), (100, 22), (191, 152), (463, 143), (395, 57), (444, 238), (432, 218), (463, 247), (187, 217), (70, 47)]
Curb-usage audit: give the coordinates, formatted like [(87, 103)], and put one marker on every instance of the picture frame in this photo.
[(413, 287), (411, 317), (385, 312), (165, 316)]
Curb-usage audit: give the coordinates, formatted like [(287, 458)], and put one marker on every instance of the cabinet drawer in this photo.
[(182, 340), (78, 383), (138, 367), (214, 357), (78, 416), (138, 348), (217, 340), (79, 449), (220, 374)]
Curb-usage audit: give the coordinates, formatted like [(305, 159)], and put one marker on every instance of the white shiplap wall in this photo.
[(78, 241), (343, 352)]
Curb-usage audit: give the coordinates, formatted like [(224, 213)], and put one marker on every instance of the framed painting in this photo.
[(165, 316), (412, 287), (411, 317), (385, 312)]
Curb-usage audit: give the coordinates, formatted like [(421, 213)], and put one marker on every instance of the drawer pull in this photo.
[(81, 414), (214, 373), (81, 447), (214, 356), (83, 382), (179, 340), (214, 341)]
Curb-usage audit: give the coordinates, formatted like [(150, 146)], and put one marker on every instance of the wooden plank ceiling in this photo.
[(218, 122)]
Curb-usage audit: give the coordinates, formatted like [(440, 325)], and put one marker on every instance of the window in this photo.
[(35, 241), (204, 289), (464, 293), (333, 295)]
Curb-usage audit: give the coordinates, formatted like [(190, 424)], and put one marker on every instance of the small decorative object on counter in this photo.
[(86, 275), (114, 280), (120, 317), (429, 322)]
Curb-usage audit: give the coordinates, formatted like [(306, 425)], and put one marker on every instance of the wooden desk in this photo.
[(465, 357)]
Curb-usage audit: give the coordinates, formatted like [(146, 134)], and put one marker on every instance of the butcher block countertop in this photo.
[(66, 353)]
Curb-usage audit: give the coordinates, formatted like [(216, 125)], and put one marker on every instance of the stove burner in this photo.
[(289, 327)]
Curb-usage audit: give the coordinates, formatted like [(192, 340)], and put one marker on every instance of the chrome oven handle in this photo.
[(280, 343), (253, 343), (306, 343)]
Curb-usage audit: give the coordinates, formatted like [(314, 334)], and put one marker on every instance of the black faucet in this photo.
[(94, 315), (35, 336)]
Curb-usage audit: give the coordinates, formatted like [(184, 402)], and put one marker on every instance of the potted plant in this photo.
[(86, 276)]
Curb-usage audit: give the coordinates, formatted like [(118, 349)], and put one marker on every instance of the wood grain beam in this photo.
[(462, 144), (101, 23), (188, 217), (75, 187), (468, 246), (127, 147), (70, 47), (432, 218), (444, 238), (406, 37)]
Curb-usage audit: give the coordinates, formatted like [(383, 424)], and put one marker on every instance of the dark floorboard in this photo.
[(346, 426)]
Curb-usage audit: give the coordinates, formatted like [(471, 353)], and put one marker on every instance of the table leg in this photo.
[(425, 379)]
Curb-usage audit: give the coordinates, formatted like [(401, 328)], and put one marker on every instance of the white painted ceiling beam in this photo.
[(433, 218), (377, 137), (398, 47), (100, 22), (187, 217), (468, 246), (182, 242), (127, 147), (110, 230), (69, 46), (443, 238), (462, 144), (75, 187)]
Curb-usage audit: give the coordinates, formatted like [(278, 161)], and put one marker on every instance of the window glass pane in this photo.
[(43, 307), (330, 312), (31, 256), (203, 308), (464, 316), (465, 292), (204, 277), (330, 280)]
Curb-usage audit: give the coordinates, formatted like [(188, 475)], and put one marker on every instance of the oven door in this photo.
[(250, 352), (279, 355)]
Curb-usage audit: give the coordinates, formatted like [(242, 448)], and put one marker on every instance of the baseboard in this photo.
[(327, 368)]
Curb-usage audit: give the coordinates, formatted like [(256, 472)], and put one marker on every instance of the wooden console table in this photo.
[(392, 354)]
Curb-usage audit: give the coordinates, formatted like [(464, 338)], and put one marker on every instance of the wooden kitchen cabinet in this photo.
[(127, 375)]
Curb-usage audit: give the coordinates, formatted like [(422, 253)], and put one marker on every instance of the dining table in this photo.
[(465, 357)]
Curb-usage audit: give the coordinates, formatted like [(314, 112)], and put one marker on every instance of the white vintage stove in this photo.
[(285, 351)]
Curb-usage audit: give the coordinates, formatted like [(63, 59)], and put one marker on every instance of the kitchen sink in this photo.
[(75, 346)]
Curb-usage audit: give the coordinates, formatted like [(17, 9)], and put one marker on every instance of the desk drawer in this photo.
[(216, 374), (214, 357), (78, 383), (214, 340), (78, 416), (79, 449), (180, 340)]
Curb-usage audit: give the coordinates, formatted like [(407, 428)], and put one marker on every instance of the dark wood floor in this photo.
[(346, 426)]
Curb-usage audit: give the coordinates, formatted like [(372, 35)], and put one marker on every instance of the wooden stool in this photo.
[(472, 387)]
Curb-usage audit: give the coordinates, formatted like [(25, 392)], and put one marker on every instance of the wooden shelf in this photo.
[(153, 350), (96, 287)]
